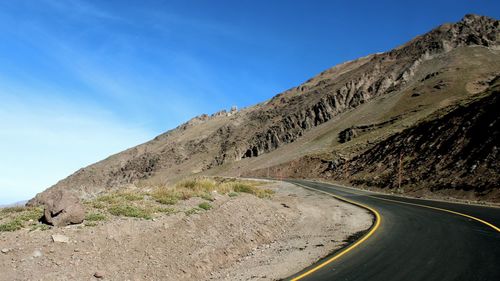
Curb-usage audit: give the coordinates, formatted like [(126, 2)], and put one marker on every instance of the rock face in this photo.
[(63, 208), (453, 153), (354, 131), (332, 93), (208, 142), (456, 152)]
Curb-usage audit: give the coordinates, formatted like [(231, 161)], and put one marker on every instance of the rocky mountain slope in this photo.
[(452, 153), (384, 92)]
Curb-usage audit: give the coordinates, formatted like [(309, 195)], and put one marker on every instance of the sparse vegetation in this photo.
[(15, 209), (166, 210), (15, 218), (139, 204), (205, 206), (40, 226), (249, 187), (129, 211), (165, 195), (30, 214), (12, 225), (192, 211), (206, 188), (95, 217)]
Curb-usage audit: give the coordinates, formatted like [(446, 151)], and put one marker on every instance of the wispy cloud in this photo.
[(79, 81), (44, 140)]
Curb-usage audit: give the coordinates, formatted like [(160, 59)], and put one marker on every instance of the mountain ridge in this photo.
[(207, 143)]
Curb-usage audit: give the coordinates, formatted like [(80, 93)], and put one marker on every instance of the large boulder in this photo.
[(63, 208)]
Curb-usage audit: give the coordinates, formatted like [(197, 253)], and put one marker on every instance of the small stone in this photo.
[(5, 251), (37, 254), (60, 238), (99, 274)]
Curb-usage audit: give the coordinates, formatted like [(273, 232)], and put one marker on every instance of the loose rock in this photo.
[(63, 208), (58, 238), (37, 254)]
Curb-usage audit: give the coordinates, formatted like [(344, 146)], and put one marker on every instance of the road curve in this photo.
[(413, 242)]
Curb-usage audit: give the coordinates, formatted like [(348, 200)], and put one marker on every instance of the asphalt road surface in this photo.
[(415, 243)]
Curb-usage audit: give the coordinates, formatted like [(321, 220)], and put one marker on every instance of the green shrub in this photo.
[(95, 217), (129, 211), (205, 206), (233, 194), (30, 214), (40, 226), (12, 225), (244, 188)]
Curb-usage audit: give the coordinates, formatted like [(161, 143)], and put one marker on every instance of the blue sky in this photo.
[(80, 80)]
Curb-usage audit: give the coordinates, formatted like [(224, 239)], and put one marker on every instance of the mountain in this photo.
[(335, 117)]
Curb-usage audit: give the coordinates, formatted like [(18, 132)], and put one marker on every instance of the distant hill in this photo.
[(343, 115), (20, 203)]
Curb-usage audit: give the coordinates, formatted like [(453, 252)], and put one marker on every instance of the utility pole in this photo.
[(345, 170), (400, 176)]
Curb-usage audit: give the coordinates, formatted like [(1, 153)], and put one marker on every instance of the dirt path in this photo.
[(241, 238)]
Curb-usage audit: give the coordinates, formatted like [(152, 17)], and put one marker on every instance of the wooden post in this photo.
[(400, 176)]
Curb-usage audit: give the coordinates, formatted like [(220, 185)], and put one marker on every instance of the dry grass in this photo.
[(206, 187), (139, 204)]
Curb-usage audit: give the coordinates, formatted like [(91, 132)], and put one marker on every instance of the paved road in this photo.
[(417, 243)]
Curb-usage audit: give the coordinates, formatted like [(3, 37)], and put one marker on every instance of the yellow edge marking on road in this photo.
[(443, 210), (378, 219)]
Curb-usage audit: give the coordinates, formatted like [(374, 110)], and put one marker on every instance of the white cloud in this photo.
[(44, 140)]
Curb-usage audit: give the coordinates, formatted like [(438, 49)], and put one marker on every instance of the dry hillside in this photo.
[(339, 113)]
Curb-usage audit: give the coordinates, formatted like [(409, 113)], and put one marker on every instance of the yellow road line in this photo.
[(443, 210), (378, 219)]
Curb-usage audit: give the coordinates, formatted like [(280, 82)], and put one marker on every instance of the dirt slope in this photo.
[(404, 85), (240, 238)]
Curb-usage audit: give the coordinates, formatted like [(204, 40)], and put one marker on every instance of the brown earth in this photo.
[(368, 99), (453, 153), (241, 238)]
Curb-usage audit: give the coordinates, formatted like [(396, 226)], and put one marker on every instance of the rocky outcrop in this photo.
[(62, 208), (139, 167), (458, 151), (381, 74), (355, 131)]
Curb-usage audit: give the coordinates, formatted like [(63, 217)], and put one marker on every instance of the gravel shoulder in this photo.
[(241, 238)]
